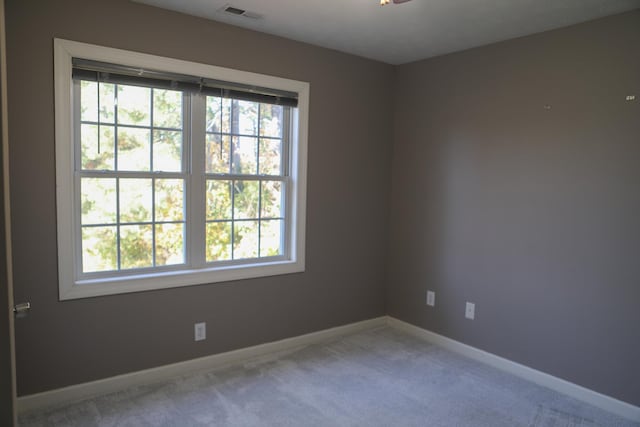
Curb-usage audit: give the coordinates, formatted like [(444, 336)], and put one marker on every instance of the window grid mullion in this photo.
[(259, 183), (131, 126), (153, 182), (116, 107), (258, 143), (98, 92), (118, 252), (233, 182), (115, 127), (233, 213), (112, 224), (222, 176), (153, 220), (151, 168), (259, 217), (87, 173), (247, 135)]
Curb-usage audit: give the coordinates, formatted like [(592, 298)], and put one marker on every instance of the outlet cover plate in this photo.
[(470, 311), (431, 298), (200, 331)]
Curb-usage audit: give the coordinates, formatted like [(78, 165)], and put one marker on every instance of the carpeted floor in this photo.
[(380, 377)]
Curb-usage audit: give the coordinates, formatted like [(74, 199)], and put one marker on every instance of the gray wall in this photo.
[(63, 343), (532, 214)]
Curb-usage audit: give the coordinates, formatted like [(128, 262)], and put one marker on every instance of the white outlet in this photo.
[(470, 311), (200, 331), (431, 298)]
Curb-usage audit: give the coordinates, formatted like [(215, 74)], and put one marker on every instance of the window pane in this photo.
[(167, 151), (107, 103), (99, 250), (246, 114), (226, 115), (271, 120), (167, 108), (169, 200), (169, 244), (135, 200), (218, 199), (271, 199), (245, 153), (98, 149), (134, 105), (98, 197), (136, 247), (214, 114), (271, 237), (218, 115), (246, 198), (88, 101), (218, 241), (218, 151), (133, 149), (245, 239), (270, 157)]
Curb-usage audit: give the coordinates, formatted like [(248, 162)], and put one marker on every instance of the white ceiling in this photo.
[(400, 33)]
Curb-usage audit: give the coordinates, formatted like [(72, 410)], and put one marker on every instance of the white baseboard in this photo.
[(583, 394), (149, 376)]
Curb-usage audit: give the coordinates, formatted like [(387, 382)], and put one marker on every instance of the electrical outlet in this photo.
[(470, 311), (431, 298), (200, 331)]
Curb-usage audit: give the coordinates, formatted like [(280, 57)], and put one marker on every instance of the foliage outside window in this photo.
[(131, 177), (246, 179), (170, 187)]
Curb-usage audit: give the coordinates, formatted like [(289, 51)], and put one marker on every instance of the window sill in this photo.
[(174, 279)]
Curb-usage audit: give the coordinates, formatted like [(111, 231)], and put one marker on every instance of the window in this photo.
[(171, 173), (131, 177), (246, 179)]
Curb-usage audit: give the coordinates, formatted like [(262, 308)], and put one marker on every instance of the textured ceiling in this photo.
[(401, 33)]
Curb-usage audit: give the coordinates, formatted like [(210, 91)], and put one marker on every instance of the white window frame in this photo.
[(70, 286)]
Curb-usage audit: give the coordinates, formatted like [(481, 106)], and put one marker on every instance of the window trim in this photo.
[(69, 285)]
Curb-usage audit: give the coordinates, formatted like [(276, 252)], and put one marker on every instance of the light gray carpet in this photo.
[(380, 377)]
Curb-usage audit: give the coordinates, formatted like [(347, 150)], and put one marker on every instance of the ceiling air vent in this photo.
[(240, 12), (234, 10)]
